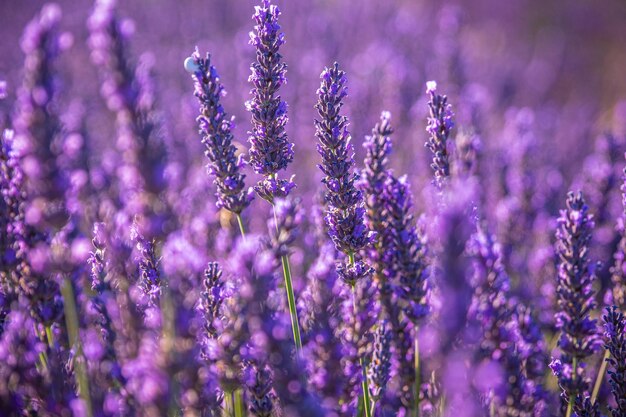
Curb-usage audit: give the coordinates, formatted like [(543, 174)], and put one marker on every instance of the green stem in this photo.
[(600, 377), (291, 298), (49, 337), (238, 400), (572, 397), (364, 383), (241, 228), (71, 320), (228, 409), (418, 376)]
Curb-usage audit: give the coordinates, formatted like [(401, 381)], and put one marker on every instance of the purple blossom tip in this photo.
[(270, 149), (352, 273), (216, 131)]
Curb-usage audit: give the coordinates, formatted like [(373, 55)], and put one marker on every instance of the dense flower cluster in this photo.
[(215, 128), (130, 287), (270, 149)]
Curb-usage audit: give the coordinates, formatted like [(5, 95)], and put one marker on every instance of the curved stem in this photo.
[(600, 377)]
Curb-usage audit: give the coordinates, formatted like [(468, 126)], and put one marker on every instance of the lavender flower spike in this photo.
[(270, 150), (13, 229), (150, 278), (579, 338), (409, 250), (439, 126), (380, 366), (372, 183), (345, 216), (211, 299), (615, 332), (215, 128), (260, 387)]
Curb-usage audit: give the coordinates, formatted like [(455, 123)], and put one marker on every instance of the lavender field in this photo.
[(313, 208)]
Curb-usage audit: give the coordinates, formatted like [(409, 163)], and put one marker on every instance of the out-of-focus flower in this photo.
[(38, 130), (380, 365), (439, 126), (615, 333), (283, 229), (259, 388), (128, 91), (150, 277), (579, 336)]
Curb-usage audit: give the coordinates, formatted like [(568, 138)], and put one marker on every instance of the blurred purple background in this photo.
[(564, 59)]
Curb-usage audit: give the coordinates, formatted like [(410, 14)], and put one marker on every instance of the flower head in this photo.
[(215, 127), (270, 149), (439, 126)]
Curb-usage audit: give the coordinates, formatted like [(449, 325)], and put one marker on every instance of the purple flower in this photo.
[(127, 89), (579, 337), (37, 125), (335, 147), (259, 389), (439, 126), (284, 228), (13, 229), (149, 275), (585, 408), (468, 151), (615, 333), (146, 380), (380, 365), (211, 299), (374, 175), (408, 247), (270, 149), (243, 338), (321, 323), (215, 128), (351, 273), (618, 270)]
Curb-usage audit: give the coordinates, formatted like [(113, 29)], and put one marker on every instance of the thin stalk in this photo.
[(238, 400), (364, 383), (49, 337), (241, 228), (168, 332), (228, 409), (570, 403), (291, 298), (43, 356), (418, 376), (71, 320), (600, 377)]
